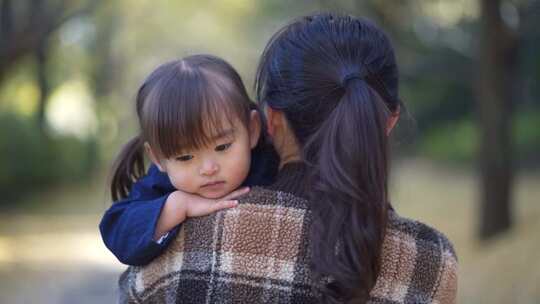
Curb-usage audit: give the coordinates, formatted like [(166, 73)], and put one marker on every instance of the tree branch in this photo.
[(43, 22)]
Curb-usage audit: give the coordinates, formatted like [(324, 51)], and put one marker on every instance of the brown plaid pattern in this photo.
[(258, 253)]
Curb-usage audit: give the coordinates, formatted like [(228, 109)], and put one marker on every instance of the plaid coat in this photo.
[(258, 253)]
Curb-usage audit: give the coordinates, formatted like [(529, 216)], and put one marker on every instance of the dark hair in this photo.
[(177, 105), (335, 78)]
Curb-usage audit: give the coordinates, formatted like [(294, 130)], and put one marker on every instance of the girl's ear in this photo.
[(152, 156), (254, 128)]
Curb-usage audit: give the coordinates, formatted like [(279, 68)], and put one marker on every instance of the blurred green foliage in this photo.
[(31, 162), (457, 141), (527, 136), (453, 142)]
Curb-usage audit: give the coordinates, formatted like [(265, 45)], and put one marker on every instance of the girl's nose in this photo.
[(209, 168)]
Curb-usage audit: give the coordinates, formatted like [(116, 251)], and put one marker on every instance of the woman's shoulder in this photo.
[(260, 240), (419, 234), (418, 264), (262, 196)]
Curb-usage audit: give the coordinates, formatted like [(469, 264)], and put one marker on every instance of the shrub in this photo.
[(31, 161)]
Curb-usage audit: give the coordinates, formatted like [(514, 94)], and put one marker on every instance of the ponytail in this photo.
[(128, 167), (348, 157)]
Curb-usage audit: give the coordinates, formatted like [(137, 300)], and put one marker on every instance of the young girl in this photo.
[(205, 139)]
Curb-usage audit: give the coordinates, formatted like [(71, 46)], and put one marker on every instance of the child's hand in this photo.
[(199, 206), (181, 205)]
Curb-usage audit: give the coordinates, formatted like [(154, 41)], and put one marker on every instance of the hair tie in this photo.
[(350, 77)]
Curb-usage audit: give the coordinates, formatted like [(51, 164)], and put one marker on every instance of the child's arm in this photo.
[(127, 227), (127, 230), (138, 228)]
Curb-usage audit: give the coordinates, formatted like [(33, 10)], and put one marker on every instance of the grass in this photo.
[(503, 270)]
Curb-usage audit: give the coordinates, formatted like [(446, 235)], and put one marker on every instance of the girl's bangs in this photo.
[(191, 111)]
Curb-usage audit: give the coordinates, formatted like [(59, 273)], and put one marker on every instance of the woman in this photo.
[(324, 231)]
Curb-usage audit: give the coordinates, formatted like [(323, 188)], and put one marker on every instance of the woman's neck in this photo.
[(288, 158)]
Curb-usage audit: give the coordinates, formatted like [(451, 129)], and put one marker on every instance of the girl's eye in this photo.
[(184, 158), (223, 147)]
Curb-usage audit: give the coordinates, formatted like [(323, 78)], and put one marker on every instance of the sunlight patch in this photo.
[(71, 110)]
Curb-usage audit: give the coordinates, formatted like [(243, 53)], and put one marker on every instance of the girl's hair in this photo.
[(180, 106), (335, 79)]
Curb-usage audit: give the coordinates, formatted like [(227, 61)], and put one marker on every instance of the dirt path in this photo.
[(53, 286), (55, 259)]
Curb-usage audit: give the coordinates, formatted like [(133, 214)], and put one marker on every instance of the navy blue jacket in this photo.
[(128, 226)]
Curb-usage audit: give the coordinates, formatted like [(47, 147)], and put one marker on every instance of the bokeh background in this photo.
[(466, 153)]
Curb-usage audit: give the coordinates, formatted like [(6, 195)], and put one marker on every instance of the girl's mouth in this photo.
[(213, 185)]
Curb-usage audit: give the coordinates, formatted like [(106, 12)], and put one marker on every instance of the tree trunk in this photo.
[(35, 23), (43, 84), (497, 62)]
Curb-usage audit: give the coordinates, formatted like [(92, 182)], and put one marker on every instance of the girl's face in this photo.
[(220, 167)]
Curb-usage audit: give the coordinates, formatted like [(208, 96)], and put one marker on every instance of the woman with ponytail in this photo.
[(324, 231)]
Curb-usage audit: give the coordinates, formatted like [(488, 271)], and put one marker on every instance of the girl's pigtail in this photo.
[(128, 167)]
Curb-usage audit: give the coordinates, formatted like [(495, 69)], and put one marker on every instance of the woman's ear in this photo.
[(152, 156), (392, 121), (271, 120), (254, 128)]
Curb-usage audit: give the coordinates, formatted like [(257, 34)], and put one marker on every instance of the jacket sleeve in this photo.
[(127, 227)]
